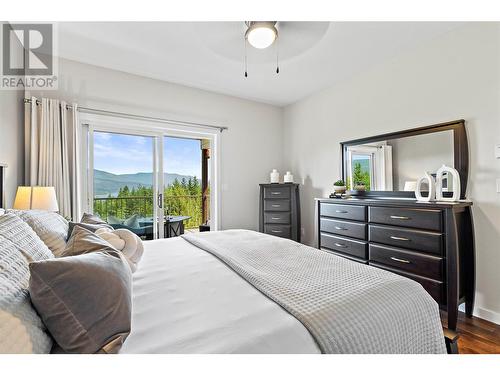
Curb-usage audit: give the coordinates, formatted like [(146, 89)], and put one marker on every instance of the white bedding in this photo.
[(187, 301)]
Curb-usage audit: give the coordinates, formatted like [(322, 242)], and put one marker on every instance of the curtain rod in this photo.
[(138, 117)]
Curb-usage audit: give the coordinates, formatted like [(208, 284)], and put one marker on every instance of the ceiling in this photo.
[(210, 55)]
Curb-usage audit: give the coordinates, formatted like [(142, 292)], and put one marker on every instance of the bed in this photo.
[(189, 300)]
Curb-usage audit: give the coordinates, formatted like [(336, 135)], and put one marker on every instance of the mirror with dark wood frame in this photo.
[(388, 165)]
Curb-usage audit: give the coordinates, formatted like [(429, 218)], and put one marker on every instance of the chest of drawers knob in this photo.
[(341, 212), (340, 245), (340, 228)]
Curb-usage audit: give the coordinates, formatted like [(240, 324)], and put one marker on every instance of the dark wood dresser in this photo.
[(279, 213), (431, 243)]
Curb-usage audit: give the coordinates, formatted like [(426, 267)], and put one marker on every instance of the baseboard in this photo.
[(489, 315)]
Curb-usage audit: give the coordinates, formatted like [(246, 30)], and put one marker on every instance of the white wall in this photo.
[(12, 141), (250, 148), (453, 77)]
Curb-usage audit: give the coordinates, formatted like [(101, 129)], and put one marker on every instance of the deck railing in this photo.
[(122, 208)]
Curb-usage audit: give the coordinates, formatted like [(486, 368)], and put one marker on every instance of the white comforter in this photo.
[(187, 301)]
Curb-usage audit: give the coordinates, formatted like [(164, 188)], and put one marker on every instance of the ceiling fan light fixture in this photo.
[(261, 34)]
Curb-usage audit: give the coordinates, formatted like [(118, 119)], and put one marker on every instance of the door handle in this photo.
[(160, 200)]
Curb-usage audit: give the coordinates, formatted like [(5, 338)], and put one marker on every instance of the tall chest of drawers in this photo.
[(279, 213), (431, 243)]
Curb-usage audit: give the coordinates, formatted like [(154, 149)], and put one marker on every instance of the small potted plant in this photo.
[(339, 187), (359, 186)]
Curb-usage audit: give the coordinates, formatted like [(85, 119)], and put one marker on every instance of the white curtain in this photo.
[(52, 151)]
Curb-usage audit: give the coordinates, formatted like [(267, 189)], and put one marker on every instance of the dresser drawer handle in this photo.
[(340, 228), (400, 217), (400, 238), (341, 212), (401, 260), (276, 231), (276, 192), (276, 205), (275, 218), (340, 245)]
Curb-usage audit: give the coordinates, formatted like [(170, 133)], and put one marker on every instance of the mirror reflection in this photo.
[(396, 164)]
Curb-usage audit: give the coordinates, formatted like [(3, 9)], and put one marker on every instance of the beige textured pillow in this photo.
[(84, 300), (83, 241), (51, 227)]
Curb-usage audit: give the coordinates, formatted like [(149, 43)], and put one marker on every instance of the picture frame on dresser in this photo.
[(429, 242)]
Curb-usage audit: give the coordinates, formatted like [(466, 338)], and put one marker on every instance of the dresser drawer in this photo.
[(278, 192), (419, 240), (343, 228), (344, 245), (346, 256), (436, 289), (410, 261), (278, 230), (407, 217), (343, 211), (276, 205), (277, 218)]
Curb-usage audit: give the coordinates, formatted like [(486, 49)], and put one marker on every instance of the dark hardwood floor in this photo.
[(477, 336)]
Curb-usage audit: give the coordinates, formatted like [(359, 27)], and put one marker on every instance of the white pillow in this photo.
[(21, 329), (123, 240)]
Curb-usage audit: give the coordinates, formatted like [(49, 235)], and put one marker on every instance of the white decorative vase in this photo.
[(275, 177), (455, 183), (432, 188), (288, 177)]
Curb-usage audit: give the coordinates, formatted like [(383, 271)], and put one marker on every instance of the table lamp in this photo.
[(36, 198)]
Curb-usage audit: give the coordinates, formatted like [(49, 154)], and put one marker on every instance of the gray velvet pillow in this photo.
[(83, 241), (90, 227), (92, 219), (84, 301)]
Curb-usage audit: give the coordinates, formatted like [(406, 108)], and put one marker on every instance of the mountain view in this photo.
[(106, 183)]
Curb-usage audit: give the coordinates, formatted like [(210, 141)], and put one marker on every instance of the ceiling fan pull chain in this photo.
[(246, 66), (278, 55)]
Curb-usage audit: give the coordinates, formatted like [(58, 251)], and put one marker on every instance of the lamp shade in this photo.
[(44, 198), (36, 198), (23, 198)]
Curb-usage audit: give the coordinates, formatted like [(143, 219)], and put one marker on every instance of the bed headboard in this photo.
[(2, 185)]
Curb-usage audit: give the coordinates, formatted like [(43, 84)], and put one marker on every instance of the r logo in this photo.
[(27, 49)]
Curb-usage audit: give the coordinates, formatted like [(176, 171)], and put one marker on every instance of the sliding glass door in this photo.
[(157, 184), (186, 194), (123, 183)]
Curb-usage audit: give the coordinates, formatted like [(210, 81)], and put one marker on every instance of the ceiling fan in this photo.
[(261, 35)]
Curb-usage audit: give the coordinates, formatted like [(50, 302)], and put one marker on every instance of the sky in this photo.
[(125, 154)]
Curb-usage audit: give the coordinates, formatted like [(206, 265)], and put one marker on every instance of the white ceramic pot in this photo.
[(288, 177), (275, 177)]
